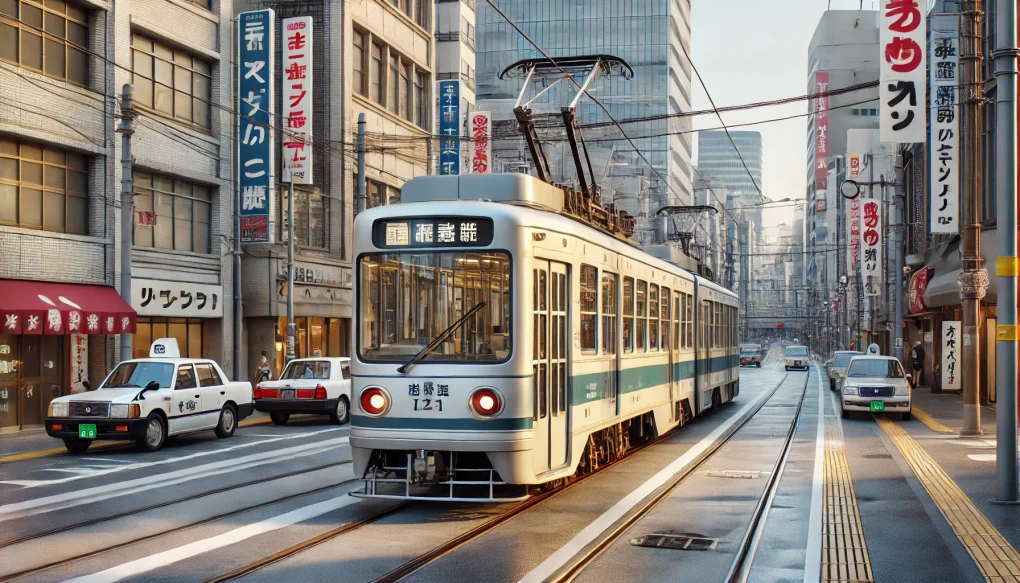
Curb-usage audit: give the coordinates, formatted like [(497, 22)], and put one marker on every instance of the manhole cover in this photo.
[(679, 542)]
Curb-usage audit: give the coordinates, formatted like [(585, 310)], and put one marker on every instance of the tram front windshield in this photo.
[(407, 299)]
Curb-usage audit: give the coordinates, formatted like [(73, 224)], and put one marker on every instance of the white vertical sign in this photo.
[(480, 127), (951, 369), (902, 38), (297, 100), (79, 362), (945, 130), (853, 232), (871, 246)]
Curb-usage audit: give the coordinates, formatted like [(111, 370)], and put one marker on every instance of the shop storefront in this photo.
[(180, 310), (315, 337), (47, 329)]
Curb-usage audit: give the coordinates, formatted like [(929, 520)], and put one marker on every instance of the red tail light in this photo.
[(305, 393), (486, 402), (258, 392), (375, 401), (270, 393), (122, 428), (320, 392), (57, 426)]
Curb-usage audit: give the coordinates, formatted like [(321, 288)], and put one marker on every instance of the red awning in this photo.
[(36, 307)]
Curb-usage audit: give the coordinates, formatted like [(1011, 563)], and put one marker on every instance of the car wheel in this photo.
[(843, 412), (77, 445), (757, 365), (787, 369), (342, 414), (155, 434), (906, 416), (279, 418), (228, 422), (716, 399), (832, 384)]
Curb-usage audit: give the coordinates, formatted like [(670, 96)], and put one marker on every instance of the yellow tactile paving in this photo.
[(844, 550), (994, 556), (929, 421)]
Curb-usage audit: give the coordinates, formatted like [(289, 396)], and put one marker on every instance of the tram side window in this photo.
[(628, 314), (664, 321), (608, 313), (677, 321), (642, 315), (589, 307), (653, 317), (690, 321)]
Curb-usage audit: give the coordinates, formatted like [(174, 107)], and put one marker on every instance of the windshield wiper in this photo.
[(440, 338)]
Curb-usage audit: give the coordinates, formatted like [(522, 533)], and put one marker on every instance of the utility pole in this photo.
[(360, 193), (291, 326), (1007, 264), (898, 229), (127, 207), (973, 279)]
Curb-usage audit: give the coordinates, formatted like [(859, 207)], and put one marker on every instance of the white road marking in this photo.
[(115, 489), (140, 465), (982, 457), (168, 557), (813, 552), (591, 532)]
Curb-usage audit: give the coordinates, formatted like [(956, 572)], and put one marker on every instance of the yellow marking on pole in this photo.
[(929, 421), (996, 559), (1007, 266), (1006, 332), (844, 551)]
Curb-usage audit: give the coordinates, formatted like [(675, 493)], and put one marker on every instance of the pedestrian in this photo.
[(917, 361)]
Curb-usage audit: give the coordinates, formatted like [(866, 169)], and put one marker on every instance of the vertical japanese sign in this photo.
[(945, 150), (79, 362), (902, 37), (854, 166), (871, 246), (297, 100), (449, 127), (821, 131), (950, 355), (853, 231), (481, 151), (255, 138)]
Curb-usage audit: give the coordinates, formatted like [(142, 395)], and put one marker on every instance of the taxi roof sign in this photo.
[(165, 348)]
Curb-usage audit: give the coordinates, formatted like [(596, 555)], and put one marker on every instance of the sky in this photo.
[(756, 50)]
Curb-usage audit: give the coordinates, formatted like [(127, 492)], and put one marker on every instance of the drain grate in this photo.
[(679, 542)]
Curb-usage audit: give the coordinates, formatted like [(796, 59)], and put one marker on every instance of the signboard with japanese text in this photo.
[(255, 157), (79, 362), (871, 246), (145, 218), (153, 297), (318, 274), (481, 150), (449, 127), (854, 167), (951, 368), (902, 38), (945, 130), (433, 232), (297, 100), (853, 231), (821, 131), (918, 283)]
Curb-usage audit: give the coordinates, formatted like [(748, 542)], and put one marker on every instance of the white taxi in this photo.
[(877, 384), (319, 386), (797, 357), (150, 399)]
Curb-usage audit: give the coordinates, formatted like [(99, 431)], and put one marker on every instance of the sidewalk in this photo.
[(947, 409)]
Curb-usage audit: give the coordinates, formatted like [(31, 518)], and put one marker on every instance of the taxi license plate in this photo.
[(87, 431), (878, 405), (287, 394)]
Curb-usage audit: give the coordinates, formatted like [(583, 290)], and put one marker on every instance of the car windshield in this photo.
[(796, 351), (139, 374), (875, 367), (843, 359), (307, 369), (749, 351)]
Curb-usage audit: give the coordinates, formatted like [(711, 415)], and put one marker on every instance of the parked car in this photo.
[(797, 357), (837, 367), (319, 386), (877, 384), (150, 399), (750, 355)]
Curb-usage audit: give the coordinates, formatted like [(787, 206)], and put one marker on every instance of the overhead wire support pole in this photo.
[(127, 207)]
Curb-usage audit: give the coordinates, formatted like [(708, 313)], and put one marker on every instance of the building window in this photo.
[(421, 97), (51, 38), (182, 211), (309, 217), (392, 92), (380, 194), (422, 14), (467, 74), (203, 3), (376, 73), (170, 81), (187, 331), (315, 337), (405, 91), (359, 62), (43, 188)]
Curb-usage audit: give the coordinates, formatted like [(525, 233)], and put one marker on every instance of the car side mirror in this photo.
[(152, 386), (87, 385)]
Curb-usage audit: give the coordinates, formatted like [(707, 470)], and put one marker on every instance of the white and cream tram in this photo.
[(501, 343)]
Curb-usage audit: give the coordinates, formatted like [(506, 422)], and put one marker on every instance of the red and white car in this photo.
[(318, 386)]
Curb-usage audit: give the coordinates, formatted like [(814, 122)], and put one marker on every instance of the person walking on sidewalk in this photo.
[(917, 360)]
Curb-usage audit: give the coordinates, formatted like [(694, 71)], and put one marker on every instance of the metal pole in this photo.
[(127, 208), (973, 279), (1006, 264), (897, 212), (238, 308), (291, 327), (360, 193)]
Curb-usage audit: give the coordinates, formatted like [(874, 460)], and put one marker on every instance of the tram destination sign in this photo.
[(432, 232)]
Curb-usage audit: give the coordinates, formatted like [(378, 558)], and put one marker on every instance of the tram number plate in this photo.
[(87, 431), (287, 393), (878, 405), (428, 404)]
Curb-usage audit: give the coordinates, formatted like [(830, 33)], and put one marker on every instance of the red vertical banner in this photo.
[(821, 131)]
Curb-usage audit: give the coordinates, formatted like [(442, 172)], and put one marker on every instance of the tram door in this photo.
[(665, 333), (551, 344)]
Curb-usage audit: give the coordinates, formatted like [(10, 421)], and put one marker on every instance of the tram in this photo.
[(504, 342)]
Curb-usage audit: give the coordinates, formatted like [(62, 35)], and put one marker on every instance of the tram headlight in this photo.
[(486, 402), (375, 401)]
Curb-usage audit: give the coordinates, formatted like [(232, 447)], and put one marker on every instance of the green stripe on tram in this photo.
[(595, 386)]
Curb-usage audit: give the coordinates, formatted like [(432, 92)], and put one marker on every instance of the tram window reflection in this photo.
[(408, 299)]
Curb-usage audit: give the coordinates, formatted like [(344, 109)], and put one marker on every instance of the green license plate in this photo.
[(878, 405), (87, 431)]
